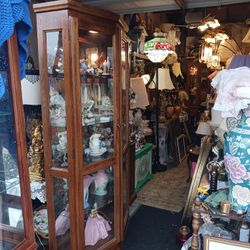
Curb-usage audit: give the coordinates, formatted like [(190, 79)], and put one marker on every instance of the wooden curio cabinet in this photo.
[(16, 226), (84, 89)]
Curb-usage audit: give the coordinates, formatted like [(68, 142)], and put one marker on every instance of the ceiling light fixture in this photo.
[(93, 32), (209, 22)]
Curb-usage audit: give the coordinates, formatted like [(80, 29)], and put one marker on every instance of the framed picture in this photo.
[(214, 243)]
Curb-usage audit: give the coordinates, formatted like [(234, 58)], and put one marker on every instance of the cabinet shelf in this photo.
[(97, 123)]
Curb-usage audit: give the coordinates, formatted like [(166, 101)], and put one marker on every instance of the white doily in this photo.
[(38, 190)]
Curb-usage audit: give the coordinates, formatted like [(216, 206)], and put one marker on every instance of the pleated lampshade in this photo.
[(164, 80), (246, 39), (227, 49), (204, 128)]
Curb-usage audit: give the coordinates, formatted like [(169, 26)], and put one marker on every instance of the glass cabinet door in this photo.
[(13, 157), (97, 112), (57, 103), (97, 95), (11, 215), (57, 140), (125, 126)]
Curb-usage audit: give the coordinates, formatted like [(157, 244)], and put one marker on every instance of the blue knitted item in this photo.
[(15, 14)]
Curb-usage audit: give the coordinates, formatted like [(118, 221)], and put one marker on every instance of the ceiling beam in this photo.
[(181, 4)]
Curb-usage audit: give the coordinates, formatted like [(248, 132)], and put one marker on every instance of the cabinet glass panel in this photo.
[(97, 95), (99, 207), (124, 94), (57, 105), (124, 181), (11, 217), (62, 223)]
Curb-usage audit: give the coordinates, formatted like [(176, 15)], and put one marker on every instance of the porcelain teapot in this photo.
[(95, 143)]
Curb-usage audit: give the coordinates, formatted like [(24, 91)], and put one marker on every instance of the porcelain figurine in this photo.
[(57, 109), (101, 181), (36, 167), (95, 143), (87, 180), (96, 228), (62, 224), (62, 146)]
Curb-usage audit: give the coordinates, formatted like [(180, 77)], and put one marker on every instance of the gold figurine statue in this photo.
[(36, 168)]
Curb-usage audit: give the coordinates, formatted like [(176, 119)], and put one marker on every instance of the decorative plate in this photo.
[(41, 222), (102, 151)]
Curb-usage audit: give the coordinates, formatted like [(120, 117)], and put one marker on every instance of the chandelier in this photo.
[(208, 22), (209, 48)]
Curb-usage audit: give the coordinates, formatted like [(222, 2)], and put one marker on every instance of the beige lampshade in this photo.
[(204, 128), (227, 49), (246, 39), (164, 80), (141, 96), (177, 69)]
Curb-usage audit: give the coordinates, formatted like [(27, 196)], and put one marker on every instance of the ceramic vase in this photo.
[(237, 163), (169, 112)]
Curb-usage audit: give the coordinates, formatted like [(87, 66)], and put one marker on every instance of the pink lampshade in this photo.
[(204, 128)]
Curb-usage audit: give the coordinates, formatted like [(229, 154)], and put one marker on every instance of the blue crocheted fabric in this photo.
[(15, 14)]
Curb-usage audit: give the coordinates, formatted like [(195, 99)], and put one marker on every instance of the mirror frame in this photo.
[(201, 163)]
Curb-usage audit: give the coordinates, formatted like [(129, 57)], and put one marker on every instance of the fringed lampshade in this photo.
[(177, 69)]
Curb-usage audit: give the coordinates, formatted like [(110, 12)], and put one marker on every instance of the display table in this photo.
[(143, 166)]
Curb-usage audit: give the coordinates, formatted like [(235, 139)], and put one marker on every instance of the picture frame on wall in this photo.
[(214, 243)]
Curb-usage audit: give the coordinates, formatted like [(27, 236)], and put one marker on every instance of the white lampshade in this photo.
[(31, 90), (164, 80), (177, 69), (145, 78), (204, 128), (216, 119), (141, 96), (157, 56)]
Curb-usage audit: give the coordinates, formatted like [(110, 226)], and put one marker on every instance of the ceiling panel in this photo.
[(210, 3), (129, 6), (139, 6)]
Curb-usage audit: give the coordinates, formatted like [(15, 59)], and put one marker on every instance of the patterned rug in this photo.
[(167, 190)]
